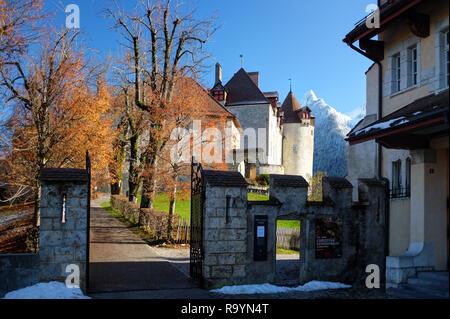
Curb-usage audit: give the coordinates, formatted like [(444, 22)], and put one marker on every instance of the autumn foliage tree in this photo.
[(20, 25), (190, 102), (57, 113), (315, 186)]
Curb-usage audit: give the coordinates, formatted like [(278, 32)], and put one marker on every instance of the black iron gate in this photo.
[(197, 200), (88, 217)]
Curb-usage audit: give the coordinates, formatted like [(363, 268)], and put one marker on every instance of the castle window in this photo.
[(219, 95)]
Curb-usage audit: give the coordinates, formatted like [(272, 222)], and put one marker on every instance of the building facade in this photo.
[(277, 138), (404, 136)]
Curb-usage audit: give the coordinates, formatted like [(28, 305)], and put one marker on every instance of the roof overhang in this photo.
[(411, 127), (388, 13)]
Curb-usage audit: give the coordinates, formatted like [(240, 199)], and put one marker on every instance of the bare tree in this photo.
[(164, 43)]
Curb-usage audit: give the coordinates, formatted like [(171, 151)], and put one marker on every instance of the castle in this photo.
[(284, 142)]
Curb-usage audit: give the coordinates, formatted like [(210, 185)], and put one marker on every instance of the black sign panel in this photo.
[(260, 238), (328, 237)]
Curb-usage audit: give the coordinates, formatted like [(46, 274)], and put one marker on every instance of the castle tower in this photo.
[(298, 138)]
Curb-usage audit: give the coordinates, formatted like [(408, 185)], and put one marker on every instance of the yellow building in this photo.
[(404, 136)]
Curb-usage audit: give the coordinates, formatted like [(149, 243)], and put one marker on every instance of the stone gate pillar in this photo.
[(225, 228), (64, 224)]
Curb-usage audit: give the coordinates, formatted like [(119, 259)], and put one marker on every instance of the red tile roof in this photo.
[(289, 108)]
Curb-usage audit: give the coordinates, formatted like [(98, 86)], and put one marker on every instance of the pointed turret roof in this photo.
[(243, 90), (290, 107)]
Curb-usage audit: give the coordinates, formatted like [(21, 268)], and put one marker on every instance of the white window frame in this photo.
[(397, 174), (396, 73), (445, 56), (399, 77), (440, 81), (413, 66), (408, 163)]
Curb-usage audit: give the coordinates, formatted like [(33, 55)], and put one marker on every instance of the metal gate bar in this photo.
[(197, 200)]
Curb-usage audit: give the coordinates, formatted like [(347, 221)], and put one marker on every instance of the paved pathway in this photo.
[(124, 266)]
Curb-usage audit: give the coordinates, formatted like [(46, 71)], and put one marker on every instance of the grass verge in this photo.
[(135, 228), (282, 251)]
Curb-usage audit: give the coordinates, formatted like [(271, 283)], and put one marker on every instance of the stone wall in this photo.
[(363, 232), (63, 243), (229, 229), (153, 221), (335, 206), (18, 271)]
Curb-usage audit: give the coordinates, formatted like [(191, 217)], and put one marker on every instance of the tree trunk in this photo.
[(173, 197), (37, 203), (153, 192), (149, 185), (115, 188), (133, 178)]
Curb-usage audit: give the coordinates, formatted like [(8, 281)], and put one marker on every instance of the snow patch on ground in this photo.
[(47, 290), (272, 289)]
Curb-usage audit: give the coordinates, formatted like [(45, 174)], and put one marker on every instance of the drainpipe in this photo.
[(379, 150), (380, 100)]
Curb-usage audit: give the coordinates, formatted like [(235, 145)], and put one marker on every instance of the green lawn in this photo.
[(183, 207), (257, 197)]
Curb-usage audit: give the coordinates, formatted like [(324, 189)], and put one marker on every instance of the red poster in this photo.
[(328, 237)]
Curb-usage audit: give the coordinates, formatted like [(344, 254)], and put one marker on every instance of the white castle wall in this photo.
[(263, 120), (298, 149), (275, 140)]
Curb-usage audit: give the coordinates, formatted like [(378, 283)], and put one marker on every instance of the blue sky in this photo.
[(281, 39)]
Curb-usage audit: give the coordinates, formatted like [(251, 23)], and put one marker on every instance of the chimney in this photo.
[(255, 77), (218, 74)]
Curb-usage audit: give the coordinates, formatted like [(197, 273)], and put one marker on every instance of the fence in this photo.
[(288, 238), (183, 232), (258, 190)]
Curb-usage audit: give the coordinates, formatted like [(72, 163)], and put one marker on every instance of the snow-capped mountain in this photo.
[(357, 115), (331, 128)]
